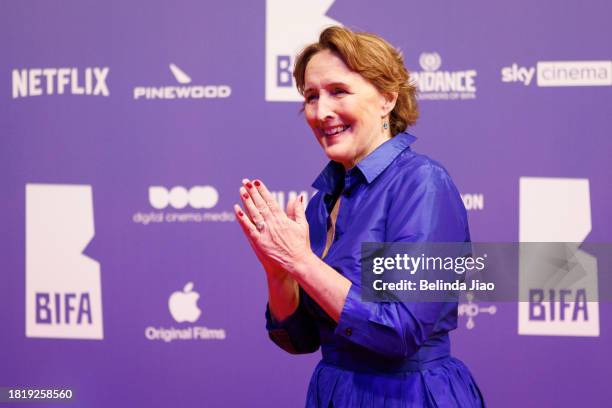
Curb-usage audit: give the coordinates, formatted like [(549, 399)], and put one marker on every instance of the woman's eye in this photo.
[(310, 98), (338, 91)]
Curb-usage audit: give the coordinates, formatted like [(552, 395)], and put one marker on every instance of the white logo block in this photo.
[(63, 288), (557, 210), (290, 26)]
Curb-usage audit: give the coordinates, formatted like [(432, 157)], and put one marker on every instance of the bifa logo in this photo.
[(180, 204), (554, 303), (185, 89), (59, 81), (290, 26), (183, 307), (561, 73), (436, 84), (63, 289)]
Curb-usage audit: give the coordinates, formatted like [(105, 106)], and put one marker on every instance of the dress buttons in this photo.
[(348, 331)]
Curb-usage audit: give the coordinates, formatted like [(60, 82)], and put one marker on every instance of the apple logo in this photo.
[(183, 305)]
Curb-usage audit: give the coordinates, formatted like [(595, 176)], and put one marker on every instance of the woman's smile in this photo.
[(335, 130)]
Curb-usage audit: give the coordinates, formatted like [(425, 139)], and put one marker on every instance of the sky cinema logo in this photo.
[(435, 84), (63, 288), (185, 89), (59, 81), (561, 73), (290, 26)]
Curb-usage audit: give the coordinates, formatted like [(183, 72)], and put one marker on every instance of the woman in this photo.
[(358, 103)]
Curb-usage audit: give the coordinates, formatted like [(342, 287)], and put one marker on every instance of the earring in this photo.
[(385, 125)]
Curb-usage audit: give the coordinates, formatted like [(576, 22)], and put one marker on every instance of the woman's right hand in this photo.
[(283, 289)]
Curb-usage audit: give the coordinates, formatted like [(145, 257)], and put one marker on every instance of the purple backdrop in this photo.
[(157, 96)]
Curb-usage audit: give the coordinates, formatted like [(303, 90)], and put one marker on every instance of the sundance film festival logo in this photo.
[(180, 204), (59, 81), (560, 73), (63, 289), (290, 25), (436, 84), (184, 90), (183, 307)]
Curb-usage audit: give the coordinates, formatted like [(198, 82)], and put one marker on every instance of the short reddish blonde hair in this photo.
[(374, 59)]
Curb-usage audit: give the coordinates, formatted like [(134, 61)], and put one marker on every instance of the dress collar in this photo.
[(334, 178)]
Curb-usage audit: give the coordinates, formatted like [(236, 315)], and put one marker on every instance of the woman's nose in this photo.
[(325, 108)]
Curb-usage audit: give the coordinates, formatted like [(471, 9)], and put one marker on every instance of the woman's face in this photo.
[(344, 110)]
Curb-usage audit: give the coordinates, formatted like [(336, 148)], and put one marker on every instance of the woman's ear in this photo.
[(390, 99)]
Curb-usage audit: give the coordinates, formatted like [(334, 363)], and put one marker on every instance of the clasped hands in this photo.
[(279, 239)]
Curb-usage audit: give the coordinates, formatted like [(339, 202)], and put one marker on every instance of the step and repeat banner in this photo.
[(127, 127)]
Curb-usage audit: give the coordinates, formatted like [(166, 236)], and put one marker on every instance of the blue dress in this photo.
[(389, 354)]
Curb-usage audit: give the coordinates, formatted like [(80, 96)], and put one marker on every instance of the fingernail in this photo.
[(245, 196), (257, 183), (249, 185), (240, 213)]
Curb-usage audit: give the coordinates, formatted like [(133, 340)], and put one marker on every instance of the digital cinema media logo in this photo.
[(184, 90), (195, 204), (290, 25), (183, 307), (563, 304), (436, 84), (63, 288), (179, 204), (90, 81), (560, 73)]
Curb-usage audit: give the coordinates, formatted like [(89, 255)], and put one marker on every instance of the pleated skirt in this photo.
[(445, 383)]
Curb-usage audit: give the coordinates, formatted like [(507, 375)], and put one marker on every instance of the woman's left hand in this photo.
[(280, 238)]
